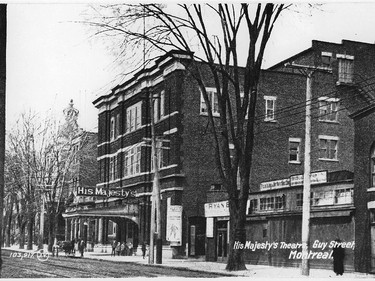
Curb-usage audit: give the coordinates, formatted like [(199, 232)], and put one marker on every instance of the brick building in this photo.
[(188, 174), (339, 207)]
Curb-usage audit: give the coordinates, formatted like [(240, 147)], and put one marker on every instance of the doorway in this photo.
[(222, 240)]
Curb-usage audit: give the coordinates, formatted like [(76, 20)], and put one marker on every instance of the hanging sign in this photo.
[(210, 227), (174, 225), (100, 191), (216, 209)]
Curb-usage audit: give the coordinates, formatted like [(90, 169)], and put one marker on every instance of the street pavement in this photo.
[(257, 271)]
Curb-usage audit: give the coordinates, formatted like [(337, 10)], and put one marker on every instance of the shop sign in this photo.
[(216, 209), (274, 184), (315, 178), (174, 225), (100, 191)]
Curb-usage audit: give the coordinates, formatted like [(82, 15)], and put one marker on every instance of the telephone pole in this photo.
[(308, 71), (155, 204)]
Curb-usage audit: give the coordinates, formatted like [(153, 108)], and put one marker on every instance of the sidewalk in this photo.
[(258, 271)]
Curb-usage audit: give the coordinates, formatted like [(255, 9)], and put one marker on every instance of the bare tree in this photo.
[(217, 37), (40, 158)]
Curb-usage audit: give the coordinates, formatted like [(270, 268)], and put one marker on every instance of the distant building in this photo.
[(82, 174)]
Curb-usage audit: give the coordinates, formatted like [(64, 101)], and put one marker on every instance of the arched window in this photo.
[(372, 163)]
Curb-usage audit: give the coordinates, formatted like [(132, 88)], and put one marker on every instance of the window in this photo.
[(294, 150), (133, 117), (112, 168), (112, 129), (253, 206), (322, 198), (132, 160), (117, 126), (269, 204), (373, 167), (328, 147), (163, 154), (326, 59), (213, 100), (346, 68), (344, 196), (159, 106), (280, 202), (328, 109), (162, 104), (270, 103), (299, 200)]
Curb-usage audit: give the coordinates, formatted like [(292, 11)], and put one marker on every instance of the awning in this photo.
[(128, 211)]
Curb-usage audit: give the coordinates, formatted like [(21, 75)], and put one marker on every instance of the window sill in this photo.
[(371, 189), (344, 83), (206, 114), (328, 160), (329, 121), (295, 162), (270, 120)]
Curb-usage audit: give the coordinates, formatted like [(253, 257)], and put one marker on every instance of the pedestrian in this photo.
[(130, 246), (143, 250), (113, 248), (118, 248), (81, 247), (338, 258), (123, 249)]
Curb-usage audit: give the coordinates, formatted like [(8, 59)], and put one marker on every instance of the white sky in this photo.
[(50, 59)]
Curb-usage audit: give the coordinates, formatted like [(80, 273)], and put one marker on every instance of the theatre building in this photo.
[(341, 192)]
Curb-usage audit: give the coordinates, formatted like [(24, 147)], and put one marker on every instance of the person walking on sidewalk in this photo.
[(143, 249), (338, 258), (81, 247), (118, 248), (113, 248)]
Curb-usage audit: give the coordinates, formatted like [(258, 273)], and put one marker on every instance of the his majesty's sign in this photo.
[(100, 191)]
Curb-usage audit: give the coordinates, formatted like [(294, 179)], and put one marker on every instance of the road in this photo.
[(23, 265)]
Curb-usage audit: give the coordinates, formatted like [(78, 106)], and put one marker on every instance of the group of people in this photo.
[(125, 249), (122, 249)]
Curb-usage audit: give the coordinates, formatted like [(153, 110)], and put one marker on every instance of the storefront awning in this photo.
[(127, 211)]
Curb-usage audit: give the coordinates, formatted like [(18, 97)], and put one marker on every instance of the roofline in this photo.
[(289, 59), (165, 58)]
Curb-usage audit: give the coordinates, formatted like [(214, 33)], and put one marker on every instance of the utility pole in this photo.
[(155, 204), (41, 224), (308, 71)]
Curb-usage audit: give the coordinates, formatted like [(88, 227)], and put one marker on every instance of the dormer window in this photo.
[(326, 59), (345, 68)]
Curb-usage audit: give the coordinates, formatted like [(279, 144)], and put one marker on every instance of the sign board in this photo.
[(209, 227), (100, 191), (174, 225), (216, 209), (275, 184), (315, 178)]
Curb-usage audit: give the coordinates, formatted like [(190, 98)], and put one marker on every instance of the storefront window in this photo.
[(372, 167)]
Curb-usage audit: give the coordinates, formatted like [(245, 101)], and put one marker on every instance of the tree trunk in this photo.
[(22, 236), (51, 228), (30, 227), (9, 225), (237, 236)]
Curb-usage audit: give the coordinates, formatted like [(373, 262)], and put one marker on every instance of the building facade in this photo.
[(274, 212), (194, 209)]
